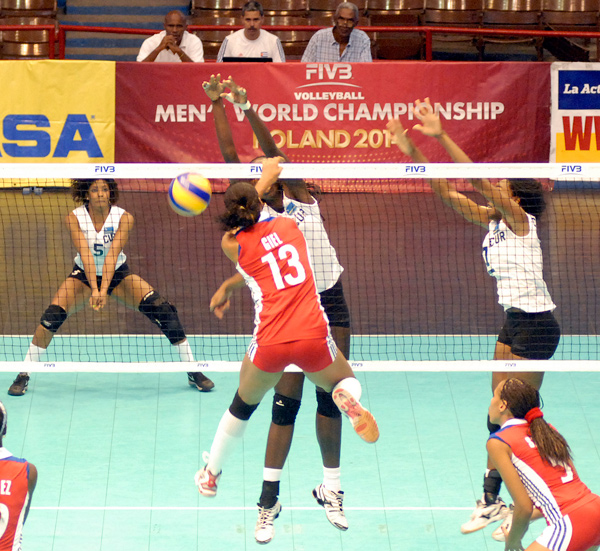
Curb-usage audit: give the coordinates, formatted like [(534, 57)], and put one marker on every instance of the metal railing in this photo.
[(427, 31)]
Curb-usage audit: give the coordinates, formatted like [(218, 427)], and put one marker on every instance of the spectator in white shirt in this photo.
[(341, 43), (174, 44), (252, 41)]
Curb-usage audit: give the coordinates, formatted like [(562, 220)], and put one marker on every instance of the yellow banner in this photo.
[(55, 111)]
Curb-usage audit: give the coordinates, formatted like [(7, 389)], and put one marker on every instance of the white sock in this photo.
[(185, 351), (332, 478), (352, 385), (272, 475), (34, 354), (229, 432)]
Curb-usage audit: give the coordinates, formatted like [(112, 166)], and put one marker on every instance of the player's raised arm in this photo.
[(215, 89)]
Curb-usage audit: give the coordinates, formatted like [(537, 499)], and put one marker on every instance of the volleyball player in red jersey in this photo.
[(535, 463), (17, 482), (290, 325)]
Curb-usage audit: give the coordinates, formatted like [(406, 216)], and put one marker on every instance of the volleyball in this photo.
[(189, 194)]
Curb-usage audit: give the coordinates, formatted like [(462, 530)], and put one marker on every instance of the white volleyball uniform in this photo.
[(325, 264), (516, 263), (99, 242)]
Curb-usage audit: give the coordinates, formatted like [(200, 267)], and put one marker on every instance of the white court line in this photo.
[(116, 508)]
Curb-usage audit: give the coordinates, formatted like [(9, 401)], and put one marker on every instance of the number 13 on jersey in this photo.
[(289, 253)]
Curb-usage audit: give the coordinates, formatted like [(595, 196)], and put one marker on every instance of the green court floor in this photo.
[(117, 454)]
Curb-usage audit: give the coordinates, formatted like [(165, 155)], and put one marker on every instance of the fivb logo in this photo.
[(322, 71), (571, 169)]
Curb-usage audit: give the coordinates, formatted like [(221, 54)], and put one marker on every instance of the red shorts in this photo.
[(576, 531), (309, 355)]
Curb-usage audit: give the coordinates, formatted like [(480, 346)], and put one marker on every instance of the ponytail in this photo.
[(523, 400), (243, 207)]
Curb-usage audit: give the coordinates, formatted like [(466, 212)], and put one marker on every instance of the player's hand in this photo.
[(430, 122), (399, 136), (214, 88), (271, 169), (219, 303), (510, 546), (98, 300), (236, 94)]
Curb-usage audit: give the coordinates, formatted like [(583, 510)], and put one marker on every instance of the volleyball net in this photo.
[(414, 278)]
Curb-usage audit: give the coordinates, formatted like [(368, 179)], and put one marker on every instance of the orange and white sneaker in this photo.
[(206, 481), (362, 419)]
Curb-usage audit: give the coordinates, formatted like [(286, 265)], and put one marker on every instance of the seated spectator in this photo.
[(174, 44), (252, 41), (342, 42)]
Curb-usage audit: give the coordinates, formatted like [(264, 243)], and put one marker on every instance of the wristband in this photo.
[(242, 106)]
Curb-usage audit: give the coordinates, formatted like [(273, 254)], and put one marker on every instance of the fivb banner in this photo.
[(498, 112), (575, 113), (57, 112)]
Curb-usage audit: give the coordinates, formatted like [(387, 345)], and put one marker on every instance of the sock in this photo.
[(185, 351), (332, 478), (34, 354), (352, 385), (229, 432), (272, 475)]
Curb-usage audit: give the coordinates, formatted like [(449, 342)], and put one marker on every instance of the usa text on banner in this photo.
[(575, 113), (57, 112), (334, 112)]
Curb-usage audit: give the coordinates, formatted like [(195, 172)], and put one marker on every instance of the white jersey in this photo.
[(325, 263), (323, 258), (191, 45), (517, 264), (237, 45), (99, 242)]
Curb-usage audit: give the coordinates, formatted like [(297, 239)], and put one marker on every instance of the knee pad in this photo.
[(491, 426), (326, 406), (163, 314), (284, 410), (53, 318), (240, 409)]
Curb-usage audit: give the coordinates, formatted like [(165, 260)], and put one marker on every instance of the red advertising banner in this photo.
[(497, 112)]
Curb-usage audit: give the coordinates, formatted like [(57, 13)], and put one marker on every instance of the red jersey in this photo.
[(14, 496), (554, 490), (275, 263)]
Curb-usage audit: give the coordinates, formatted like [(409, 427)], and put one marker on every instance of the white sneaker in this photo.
[(205, 480), (484, 515), (362, 419), (498, 534), (333, 504), (265, 529)]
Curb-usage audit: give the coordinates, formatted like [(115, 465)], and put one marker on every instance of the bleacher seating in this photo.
[(397, 13), (28, 8), (512, 14), (26, 43)]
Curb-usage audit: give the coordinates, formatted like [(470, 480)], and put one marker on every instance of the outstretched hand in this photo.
[(430, 122), (236, 94), (214, 88), (271, 169), (399, 136)]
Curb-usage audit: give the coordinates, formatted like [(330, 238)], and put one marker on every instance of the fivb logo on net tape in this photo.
[(56, 112), (575, 113)]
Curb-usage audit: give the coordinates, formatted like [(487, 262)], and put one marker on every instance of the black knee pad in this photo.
[(326, 406), (240, 409), (53, 318), (284, 410), (491, 426), (163, 314)]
